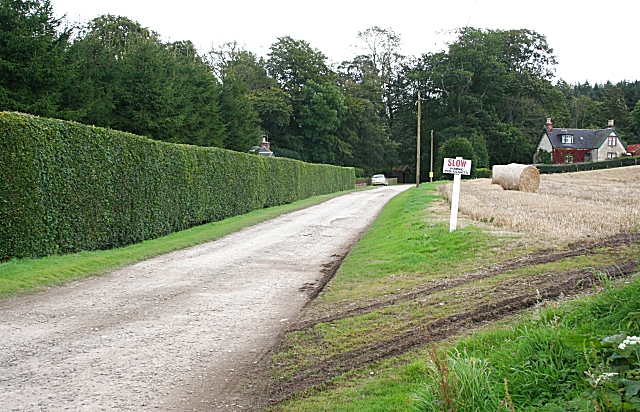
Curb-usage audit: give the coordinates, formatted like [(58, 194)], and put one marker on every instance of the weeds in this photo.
[(458, 383), (507, 398), (615, 378), (603, 278)]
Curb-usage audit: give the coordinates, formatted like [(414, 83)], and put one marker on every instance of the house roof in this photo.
[(582, 138), (634, 149), (261, 151)]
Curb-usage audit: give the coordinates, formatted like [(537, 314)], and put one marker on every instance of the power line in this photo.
[(471, 14)]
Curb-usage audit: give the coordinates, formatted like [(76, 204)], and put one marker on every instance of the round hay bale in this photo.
[(525, 178), (496, 173)]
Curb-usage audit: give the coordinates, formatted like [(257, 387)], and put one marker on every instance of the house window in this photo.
[(567, 139), (568, 158), (612, 155), (612, 140)]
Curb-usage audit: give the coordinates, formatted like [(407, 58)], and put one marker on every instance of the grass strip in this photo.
[(20, 276), (407, 245)]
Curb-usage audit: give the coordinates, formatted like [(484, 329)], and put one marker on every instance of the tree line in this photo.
[(491, 87)]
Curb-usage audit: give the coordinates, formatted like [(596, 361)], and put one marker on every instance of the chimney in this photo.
[(265, 144), (610, 124), (549, 125)]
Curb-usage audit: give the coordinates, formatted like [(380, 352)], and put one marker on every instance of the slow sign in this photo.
[(457, 166)]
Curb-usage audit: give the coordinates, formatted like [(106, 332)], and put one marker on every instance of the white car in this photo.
[(379, 180)]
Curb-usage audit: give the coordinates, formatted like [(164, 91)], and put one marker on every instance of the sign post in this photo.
[(457, 167)]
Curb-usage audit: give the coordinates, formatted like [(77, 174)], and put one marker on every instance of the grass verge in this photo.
[(19, 276), (409, 272)]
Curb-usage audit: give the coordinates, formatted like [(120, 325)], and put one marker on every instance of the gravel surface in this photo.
[(178, 331)]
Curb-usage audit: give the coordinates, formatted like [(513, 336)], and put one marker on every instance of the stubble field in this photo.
[(567, 207)]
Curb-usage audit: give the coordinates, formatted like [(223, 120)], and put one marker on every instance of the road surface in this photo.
[(175, 332)]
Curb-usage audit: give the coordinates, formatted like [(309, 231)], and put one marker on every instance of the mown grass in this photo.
[(409, 246), (27, 275)]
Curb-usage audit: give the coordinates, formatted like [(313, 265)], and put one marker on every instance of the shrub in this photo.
[(578, 167), (456, 147), (67, 187), (483, 173), (359, 172), (289, 154)]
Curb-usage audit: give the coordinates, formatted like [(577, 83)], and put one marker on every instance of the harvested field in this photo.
[(567, 207)]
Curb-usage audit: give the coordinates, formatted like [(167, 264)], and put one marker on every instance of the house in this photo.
[(579, 145), (264, 149), (633, 150), (402, 173)]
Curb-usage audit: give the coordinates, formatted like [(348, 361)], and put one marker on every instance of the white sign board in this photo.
[(457, 166)]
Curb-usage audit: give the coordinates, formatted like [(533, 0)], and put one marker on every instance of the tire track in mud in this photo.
[(269, 392), (539, 257)]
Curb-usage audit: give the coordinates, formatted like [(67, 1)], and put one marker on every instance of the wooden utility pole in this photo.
[(431, 170), (418, 156)]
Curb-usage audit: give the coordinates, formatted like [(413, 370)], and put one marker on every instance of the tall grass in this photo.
[(458, 383)]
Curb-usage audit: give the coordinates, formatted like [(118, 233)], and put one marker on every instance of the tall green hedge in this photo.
[(66, 187), (579, 167)]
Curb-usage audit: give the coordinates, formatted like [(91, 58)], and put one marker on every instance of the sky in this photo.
[(593, 41)]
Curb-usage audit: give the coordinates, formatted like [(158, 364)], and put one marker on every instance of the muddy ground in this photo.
[(175, 332)]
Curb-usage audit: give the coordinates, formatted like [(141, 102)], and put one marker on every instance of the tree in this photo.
[(115, 61), (294, 62), (456, 147), (479, 145), (635, 118), (196, 97), (373, 151), (493, 83), (274, 109), (366, 124), (382, 60), (252, 102), (32, 48), (128, 79), (614, 107), (321, 114), (317, 103)]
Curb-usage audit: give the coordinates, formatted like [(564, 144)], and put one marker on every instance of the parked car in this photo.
[(379, 180)]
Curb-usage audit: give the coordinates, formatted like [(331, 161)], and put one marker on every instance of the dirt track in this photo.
[(175, 332)]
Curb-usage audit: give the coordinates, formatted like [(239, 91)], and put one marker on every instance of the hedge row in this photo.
[(579, 167), (66, 187)]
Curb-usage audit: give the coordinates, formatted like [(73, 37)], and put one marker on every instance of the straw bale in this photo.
[(525, 178), (496, 173)]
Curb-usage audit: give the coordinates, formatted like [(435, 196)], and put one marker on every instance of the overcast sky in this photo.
[(593, 41)]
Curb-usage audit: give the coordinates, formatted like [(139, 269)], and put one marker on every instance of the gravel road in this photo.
[(175, 332)]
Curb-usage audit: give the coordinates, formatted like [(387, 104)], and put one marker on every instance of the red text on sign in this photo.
[(456, 162)]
